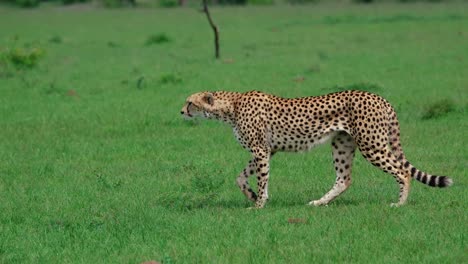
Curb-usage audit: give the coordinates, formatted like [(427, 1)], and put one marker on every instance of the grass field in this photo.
[(97, 166)]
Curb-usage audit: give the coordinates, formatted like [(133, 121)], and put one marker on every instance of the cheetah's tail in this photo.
[(395, 144), (428, 179)]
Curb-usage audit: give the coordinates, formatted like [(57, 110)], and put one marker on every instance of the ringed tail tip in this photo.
[(446, 181)]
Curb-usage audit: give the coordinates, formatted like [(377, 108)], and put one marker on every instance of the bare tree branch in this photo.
[(213, 26)]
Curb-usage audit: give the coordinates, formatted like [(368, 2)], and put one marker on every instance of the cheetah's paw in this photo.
[(317, 203)]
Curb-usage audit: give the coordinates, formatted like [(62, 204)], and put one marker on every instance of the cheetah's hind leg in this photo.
[(343, 148), (386, 161), (242, 181)]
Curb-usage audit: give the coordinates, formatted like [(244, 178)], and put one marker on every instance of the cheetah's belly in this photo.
[(301, 143)]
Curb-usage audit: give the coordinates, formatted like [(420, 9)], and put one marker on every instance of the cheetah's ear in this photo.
[(208, 98)]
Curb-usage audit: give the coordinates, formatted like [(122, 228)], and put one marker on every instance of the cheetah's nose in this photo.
[(181, 112)]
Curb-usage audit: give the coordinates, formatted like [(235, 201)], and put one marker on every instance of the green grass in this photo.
[(97, 166)]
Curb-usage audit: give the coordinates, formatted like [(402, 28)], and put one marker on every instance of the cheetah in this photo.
[(265, 124)]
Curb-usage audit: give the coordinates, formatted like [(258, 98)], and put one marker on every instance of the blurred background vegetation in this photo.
[(181, 3)]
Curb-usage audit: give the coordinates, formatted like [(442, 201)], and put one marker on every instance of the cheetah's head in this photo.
[(198, 105)]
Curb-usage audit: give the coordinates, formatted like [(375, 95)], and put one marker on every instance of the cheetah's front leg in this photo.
[(242, 181), (262, 163)]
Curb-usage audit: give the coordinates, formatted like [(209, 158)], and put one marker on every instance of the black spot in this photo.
[(413, 171), (254, 195), (406, 164)]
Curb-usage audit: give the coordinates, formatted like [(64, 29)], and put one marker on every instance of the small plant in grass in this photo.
[(53, 89), (261, 2), (168, 3), (5, 70), (167, 260), (140, 82), (27, 3), (363, 1), (56, 39), (116, 3), (157, 39), (105, 183), (112, 44), (299, 2), (13, 59), (24, 57), (69, 2), (438, 109), (313, 69), (170, 78), (322, 55), (365, 86)]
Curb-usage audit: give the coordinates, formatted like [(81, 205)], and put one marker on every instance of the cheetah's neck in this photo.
[(224, 106)]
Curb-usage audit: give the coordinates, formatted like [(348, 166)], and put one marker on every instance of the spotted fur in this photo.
[(265, 124)]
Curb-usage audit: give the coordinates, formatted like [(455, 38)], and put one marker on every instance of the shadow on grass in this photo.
[(190, 202), (212, 201), (284, 203)]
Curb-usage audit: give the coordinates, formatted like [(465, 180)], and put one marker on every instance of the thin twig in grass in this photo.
[(213, 26)]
